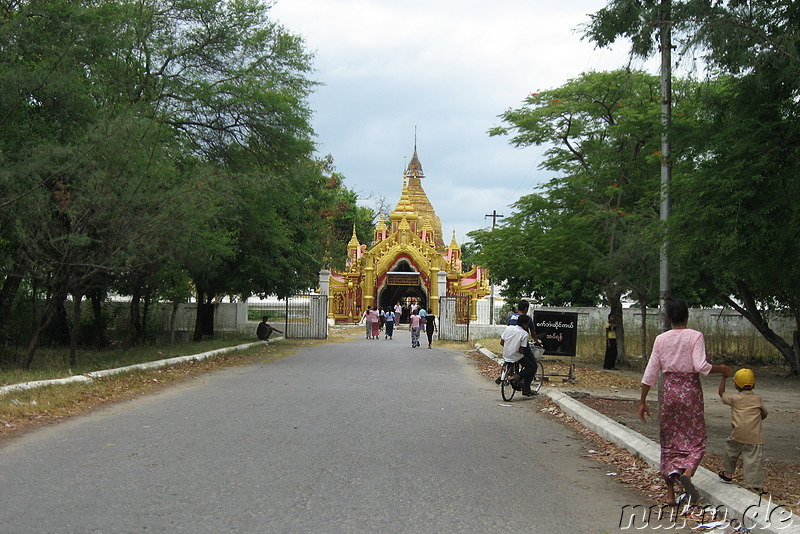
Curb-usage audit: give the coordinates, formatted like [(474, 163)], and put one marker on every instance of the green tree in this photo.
[(591, 223), (119, 116), (736, 216), (531, 253), (738, 171), (339, 210), (732, 35)]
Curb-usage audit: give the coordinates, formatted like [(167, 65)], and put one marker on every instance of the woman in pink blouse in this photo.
[(680, 354)]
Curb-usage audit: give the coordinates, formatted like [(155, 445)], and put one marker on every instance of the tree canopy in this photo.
[(150, 142), (739, 172), (586, 236)]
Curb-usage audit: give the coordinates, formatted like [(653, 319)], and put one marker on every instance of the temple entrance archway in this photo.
[(390, 295), (399, 287)]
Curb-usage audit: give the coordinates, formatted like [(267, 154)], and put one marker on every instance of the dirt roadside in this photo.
[(616, 395), (781, 397)]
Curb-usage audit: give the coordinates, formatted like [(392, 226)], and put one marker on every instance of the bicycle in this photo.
[(509, 376)]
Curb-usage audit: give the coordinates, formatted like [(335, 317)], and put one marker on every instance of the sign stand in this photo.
[(558, 332)]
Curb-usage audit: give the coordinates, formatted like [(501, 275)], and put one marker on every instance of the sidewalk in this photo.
[(760, 514)]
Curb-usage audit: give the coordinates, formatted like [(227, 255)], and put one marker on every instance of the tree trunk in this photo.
[(8, 300), (8, 296), (75, 330), (796, 347), (643, 331), (99, 335), (59, 326), (134, 325), (145, 312), (173, 318), (52, 303), (751, 312), (198, 322)]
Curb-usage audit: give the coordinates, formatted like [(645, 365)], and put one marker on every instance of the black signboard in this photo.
[(402, 279), (558, 331)]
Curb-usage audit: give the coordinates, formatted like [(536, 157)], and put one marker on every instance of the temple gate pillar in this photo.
[(434, 281), (324, 282), (325, 288), (368, 287), (442, 283)]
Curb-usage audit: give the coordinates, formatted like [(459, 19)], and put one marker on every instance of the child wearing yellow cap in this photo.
[(747, 438)]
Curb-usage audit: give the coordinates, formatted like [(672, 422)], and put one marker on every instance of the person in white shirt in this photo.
[(514, 341)]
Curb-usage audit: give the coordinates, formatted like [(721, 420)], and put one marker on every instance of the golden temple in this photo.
[(406, 262)]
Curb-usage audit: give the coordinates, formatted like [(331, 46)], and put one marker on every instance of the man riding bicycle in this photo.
[(515, 349)]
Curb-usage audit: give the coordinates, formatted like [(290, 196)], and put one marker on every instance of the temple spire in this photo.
[(453, 243), (353, 244), (414, 169), (380, 230)]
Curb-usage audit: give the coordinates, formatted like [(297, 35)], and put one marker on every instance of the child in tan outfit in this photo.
[(747, 438)]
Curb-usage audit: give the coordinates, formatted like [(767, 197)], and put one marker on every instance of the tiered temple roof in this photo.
[(419, 200)]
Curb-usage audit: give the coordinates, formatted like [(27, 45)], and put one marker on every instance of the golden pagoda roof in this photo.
[(419, 200), (381, 225), (404, 206), (453, 243), (353, 239), (414, 169)]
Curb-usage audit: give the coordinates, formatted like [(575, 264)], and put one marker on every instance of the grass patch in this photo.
[(492, 344), (23, 410), (54, 362)]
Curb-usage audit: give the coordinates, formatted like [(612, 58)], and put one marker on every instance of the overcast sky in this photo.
[(448, 68)]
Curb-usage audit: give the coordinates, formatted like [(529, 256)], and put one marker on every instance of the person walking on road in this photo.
[(430, 327), (376, 323), (367, 322), (389, 324), (747, 437), (680, 355), (414, 323)]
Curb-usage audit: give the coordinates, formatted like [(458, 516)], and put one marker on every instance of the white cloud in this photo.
[(449, 67)]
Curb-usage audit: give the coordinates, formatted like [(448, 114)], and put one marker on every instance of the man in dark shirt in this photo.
[(265, 330)]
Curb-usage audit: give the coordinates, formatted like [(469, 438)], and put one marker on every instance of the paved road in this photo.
[(366, 436)]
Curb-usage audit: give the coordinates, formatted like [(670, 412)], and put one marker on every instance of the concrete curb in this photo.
[(761, 515), (88, 377)]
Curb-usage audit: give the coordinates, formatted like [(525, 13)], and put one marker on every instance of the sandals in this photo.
[(691, 491)]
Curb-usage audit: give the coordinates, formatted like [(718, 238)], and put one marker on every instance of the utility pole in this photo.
[(494, 215), (664, 287)]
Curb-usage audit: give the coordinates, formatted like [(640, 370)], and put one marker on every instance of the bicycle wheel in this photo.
[(506, 389), (538, 377)]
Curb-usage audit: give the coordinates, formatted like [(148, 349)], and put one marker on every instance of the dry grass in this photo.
[(54, 362), (23, 410)]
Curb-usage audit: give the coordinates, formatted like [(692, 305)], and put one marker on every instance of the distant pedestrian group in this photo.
[(372, 322), (422, 320), (380, 320)]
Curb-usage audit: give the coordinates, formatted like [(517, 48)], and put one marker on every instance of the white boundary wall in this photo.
[(593, 320), (228, 316)]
